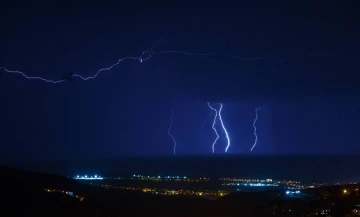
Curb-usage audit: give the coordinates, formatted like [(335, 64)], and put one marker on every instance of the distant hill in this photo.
[(36, 179), (24, 195), (25, 190), (251, 197)]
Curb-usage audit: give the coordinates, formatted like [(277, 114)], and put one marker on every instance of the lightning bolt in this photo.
[(146, 55), (171, 122), (222, 124), (78, 75), (256, 138), (213, 126)]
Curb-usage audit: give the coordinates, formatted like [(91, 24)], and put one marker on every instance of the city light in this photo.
[(292, 192), (252, 184), (210, 194), (159, 178), (70, 193), (95, 177)]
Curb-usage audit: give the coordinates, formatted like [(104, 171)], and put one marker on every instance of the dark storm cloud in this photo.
[(126, 110), (287, 71), (322, 77)]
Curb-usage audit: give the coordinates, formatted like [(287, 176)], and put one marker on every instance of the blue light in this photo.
[(287, 192), (95, 177)]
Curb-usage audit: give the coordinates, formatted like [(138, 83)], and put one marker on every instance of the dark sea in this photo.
[(307, 169)]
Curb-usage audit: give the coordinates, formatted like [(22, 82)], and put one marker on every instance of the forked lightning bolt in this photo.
[(226, 133), (171, 123), (213, 126), (256, 138)]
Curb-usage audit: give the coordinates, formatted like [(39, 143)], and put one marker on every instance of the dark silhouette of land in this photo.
[(28, 193)]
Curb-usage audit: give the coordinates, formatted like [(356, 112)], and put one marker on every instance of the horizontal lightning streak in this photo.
[(34, 77), (148, 55), (139, 58), (77, 75)]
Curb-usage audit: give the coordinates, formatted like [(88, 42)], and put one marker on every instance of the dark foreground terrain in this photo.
[(27, 193)]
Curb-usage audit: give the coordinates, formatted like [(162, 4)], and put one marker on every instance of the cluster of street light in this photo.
[(165, 191), (70, 193)]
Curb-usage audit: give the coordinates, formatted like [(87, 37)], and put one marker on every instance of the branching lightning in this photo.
[(213, 126), (140, 58), (146, 55), (171, 123), (222, 124), (69, 77), (256, 138)]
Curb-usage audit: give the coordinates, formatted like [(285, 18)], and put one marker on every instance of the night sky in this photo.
[(306, 82)]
